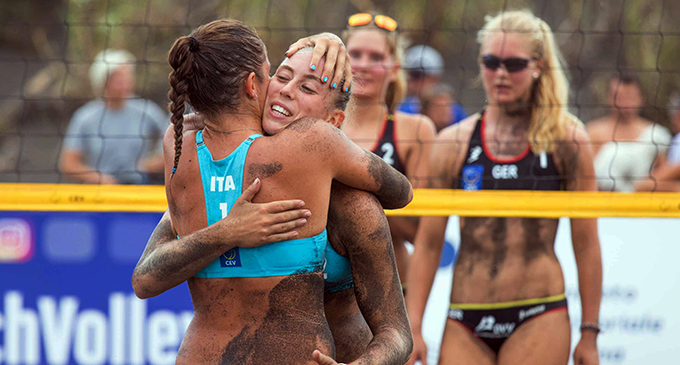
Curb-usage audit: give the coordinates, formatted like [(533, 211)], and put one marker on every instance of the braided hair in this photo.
[(209, 68)]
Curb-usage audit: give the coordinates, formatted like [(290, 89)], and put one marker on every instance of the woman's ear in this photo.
[(539, 67), (251, 86), (336, 118)]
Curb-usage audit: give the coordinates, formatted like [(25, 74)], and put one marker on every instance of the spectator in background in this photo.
[(674, 117), (626, 145), (116, 138), (666, 177), (436, 104), (425, 67)]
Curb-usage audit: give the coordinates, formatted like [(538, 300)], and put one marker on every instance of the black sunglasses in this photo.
[(511, 64)]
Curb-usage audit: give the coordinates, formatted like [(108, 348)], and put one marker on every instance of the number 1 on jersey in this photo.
[(223, 208)]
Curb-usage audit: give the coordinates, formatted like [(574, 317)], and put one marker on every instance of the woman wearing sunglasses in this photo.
[(379, 84), (507, 300)]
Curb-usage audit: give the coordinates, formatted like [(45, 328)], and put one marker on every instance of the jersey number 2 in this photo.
[(388, 150)]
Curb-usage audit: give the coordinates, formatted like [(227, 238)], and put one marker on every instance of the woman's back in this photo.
[(237, 317), (234, 315), (251, 315)]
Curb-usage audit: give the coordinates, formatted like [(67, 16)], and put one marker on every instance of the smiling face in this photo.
[(501, 86), (373, 66), (296, 91)]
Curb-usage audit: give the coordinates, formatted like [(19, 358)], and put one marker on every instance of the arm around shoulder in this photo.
[(365, 234), (352, 165)]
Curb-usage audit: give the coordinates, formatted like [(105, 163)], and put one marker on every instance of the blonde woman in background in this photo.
[(379, 84), (507, 300)]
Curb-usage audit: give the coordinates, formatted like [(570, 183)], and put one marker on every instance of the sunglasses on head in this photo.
[(514, 64), (382, 21)]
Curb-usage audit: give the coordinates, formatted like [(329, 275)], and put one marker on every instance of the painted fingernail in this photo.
[(295, 233), (346, 89), (325, 79), (303, 221), (308, 214), (301, 203), (334, 85), (286, 54), (313, 67)]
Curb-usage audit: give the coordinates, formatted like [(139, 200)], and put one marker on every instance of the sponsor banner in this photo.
[(638, 315), (66, 297)]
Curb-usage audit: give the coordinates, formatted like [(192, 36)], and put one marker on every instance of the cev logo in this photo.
[(16, 241), (230, 255)]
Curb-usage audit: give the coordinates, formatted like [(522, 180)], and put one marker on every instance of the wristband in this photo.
[(590, 327)]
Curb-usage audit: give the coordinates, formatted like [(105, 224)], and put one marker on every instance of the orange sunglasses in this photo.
[(382, 21)]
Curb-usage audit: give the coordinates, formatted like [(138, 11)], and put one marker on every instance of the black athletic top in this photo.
[(526, 171), (386, 146)]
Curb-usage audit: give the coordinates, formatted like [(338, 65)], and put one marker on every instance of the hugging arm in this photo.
[(351, 164), (445, 162), (361, 226), (168, 261)]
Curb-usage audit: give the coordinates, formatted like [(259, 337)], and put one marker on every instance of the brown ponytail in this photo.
[(181, 61), (209, 68)]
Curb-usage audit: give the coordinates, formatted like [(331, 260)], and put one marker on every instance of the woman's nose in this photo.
[(287, 90), (358, 62)]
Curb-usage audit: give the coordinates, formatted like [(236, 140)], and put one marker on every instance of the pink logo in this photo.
[(16, 241)]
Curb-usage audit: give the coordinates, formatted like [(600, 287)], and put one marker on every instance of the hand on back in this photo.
[(255, 224)]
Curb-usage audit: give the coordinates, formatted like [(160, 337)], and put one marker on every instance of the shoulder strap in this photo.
[(251, 138), (477, 133), (199, 138)]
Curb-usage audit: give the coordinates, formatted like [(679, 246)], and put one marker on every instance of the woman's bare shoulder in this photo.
[(308, 138), (461, 131), (415, 126)]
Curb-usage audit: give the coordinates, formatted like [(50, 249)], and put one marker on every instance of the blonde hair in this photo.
[(550, 92), (396, 90)]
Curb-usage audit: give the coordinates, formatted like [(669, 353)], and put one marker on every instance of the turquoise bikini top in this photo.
[(338, 273), (222, 185)]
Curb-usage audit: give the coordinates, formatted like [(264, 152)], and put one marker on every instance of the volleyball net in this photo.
[(67, 250), (48, 49)]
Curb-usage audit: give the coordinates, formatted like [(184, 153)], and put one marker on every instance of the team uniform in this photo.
[(386, 146), (493, 323), (222, 185), (526, 171), (338, 272)]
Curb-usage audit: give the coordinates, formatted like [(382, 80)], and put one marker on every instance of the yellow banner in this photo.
[(434, 202)]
